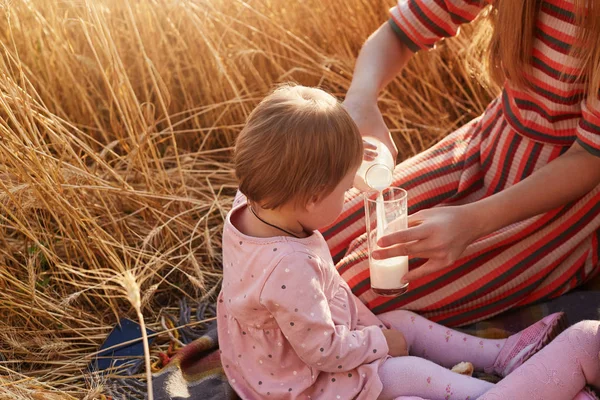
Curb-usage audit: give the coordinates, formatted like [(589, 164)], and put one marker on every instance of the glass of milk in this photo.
[(385, 213)]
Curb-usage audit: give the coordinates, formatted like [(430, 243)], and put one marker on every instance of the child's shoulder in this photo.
[(297, 259), (290, 252)]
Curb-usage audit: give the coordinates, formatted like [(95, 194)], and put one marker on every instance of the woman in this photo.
[(506, 210)]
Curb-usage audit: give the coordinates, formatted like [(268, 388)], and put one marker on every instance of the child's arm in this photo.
[(366, 316), (395, 339), (294, 296)]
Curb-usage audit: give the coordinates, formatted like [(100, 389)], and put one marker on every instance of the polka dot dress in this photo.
[(289, 326)]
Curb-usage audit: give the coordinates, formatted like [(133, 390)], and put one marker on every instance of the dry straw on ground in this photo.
[(116, 125)]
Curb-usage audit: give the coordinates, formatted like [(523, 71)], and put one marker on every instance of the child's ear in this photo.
[(312, 203)]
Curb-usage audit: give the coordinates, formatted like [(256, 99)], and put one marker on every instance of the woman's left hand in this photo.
[(440, 235)]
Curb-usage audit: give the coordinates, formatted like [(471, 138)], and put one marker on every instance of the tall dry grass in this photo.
[(116, 125)]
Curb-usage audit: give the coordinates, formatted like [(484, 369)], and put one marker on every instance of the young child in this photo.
[(290, 327)]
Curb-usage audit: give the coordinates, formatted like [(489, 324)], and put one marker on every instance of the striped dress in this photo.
[(520, 132)]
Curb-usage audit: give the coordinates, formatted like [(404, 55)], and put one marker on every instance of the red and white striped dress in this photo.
[(520, 132)]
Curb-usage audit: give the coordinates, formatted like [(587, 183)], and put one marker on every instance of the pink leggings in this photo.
[(559, 371)]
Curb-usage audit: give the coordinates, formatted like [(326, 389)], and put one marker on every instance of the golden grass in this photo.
[(116, 124)]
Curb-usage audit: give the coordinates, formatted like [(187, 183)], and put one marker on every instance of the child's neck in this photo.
[(267, 223)]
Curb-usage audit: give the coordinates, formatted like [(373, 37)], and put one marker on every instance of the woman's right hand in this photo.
[(370, 122)]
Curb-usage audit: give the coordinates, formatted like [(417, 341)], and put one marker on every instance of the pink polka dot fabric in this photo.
[(289, 326)]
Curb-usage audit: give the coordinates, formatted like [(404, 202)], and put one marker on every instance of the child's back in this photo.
[(285, 316), (289, 326)]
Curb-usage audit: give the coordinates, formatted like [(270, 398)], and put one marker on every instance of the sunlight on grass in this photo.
[(116, 122)]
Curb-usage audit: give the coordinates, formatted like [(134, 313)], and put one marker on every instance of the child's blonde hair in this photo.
[(299, 142)]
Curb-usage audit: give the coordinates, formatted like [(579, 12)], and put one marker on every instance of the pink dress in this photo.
[(289, 326)]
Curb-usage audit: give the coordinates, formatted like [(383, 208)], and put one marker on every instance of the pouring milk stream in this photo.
[(377, 175)]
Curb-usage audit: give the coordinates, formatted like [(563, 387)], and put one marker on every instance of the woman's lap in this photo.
[(533, 260)]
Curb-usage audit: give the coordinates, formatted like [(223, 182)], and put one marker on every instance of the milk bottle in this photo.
[(375, 174)]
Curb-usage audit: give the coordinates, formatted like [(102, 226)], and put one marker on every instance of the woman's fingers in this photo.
[(404, 236), (369, 146), (381, 254), (369, 151), (420, 249), (415, 219), (369, 155), (431, 266)]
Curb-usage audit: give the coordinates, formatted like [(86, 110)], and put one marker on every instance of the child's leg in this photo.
[(586, 394), (413, 376), (442, 345), (559, 371), (447, 347)]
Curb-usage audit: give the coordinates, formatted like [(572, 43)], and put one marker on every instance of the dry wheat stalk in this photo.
[(116, 126)]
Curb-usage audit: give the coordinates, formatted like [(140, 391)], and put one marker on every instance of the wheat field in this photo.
[(117, 119)]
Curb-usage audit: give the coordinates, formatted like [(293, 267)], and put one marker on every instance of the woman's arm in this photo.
[(563, 180), (442, 234), (413, 25), (382, 57)]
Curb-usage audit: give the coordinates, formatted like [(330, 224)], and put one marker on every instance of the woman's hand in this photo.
[(440, 235), (370, 151), (370, 122)]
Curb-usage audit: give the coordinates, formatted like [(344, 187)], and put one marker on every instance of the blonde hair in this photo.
[(510, 46), (299, 142)]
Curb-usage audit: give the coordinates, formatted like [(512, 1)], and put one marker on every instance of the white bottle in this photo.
[(378, 173)]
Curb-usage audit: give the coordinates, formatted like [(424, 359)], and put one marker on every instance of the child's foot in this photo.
[(586, 394), (521, 346)]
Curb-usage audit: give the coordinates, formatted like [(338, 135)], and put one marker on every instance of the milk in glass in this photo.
[(386, 274), (390, 216)]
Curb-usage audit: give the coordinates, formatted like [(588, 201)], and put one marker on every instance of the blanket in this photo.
[(192, 372), (195, 371)]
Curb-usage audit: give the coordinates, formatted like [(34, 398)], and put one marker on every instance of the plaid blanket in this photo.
[(195, 371)]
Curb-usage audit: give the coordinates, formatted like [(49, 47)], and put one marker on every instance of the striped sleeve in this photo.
[(588, 130), (421, 23)]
